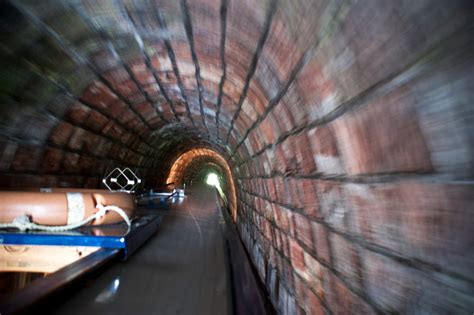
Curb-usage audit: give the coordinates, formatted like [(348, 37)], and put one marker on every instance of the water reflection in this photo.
[(107, 295)]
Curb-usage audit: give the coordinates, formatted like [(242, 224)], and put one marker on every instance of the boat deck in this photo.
[(180, 270)]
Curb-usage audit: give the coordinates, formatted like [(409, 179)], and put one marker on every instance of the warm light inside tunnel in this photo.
[(227, 189)]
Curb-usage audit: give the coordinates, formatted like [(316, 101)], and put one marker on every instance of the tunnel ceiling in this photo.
[(90, 85), (191, 162), (101, 82)]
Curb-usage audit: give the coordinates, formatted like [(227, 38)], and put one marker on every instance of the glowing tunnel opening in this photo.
[(225, 183), (213, 180)]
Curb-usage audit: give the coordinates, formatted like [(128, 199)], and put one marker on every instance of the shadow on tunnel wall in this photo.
[(347, 125)]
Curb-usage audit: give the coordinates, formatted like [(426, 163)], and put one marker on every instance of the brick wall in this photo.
[(347, 126), (352, 198)]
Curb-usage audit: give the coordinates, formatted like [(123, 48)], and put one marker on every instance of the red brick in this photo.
[(253, 141), (294, 192), (296, 107), (161, 62), (52, 160), (282, 218), (270, 185), (429, 222), (145, 110), (321, 240), (138, 66), (303, 154), (308, 194), (257, 96), (269, 129), (102, 146), (303, 230), (289, 156), (96, 121), (281, 48), (346, 259), (390, 284), (285, 194), (91, 142), (258, 139), (113, 130), (268, 210), (77, 139), (280, 189), (71, 161), (314, 270), (332, 204), (342, 301), (398, 288), (130, 90), (26, 158), (87, 164), (99, 95), (117, 108), (61, 133), (145, 77), (313, 304), (78, 112), (117, 75), (280, 160), (297, 258), (383, 137), (324, 150), (154, 92), (131, 120), (318, 92), (283, 118)]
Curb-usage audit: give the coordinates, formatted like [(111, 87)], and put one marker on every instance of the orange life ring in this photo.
[(64, 206)]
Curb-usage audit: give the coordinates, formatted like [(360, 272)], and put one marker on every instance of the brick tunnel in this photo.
[(342, 131)]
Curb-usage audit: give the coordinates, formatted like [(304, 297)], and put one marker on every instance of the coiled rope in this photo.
[(23, 222)]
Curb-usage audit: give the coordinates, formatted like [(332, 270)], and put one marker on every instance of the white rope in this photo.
[(23, 222)]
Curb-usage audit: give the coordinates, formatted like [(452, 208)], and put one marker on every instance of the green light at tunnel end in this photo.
[(213, 180)]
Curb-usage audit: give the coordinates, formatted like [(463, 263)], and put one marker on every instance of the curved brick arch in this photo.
[(203, 155), (203, 165)]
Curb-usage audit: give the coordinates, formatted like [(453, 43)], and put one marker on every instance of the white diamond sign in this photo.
[(121, 180)]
